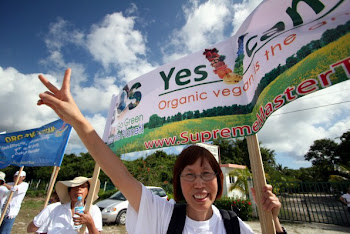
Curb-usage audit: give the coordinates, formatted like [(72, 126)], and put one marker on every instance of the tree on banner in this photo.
[(44, 146)]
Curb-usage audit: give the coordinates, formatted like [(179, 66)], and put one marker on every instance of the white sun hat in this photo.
[(62, 188), (2, 176)]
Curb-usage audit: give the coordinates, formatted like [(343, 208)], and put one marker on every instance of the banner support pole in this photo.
[(91, 194), (52, 183), (259, 181), (10, 196)]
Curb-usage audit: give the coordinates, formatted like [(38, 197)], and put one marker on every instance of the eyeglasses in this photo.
[(206, 176)]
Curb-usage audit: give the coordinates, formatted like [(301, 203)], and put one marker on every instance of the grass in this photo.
[(31, 206)]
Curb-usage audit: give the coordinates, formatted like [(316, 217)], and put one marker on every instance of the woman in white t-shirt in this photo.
[(199, 193)]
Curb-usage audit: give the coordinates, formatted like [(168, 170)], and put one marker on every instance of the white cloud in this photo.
[(96, 98), (242, 11), (293, 133), (116, 43), (206, 24), (18, 97)]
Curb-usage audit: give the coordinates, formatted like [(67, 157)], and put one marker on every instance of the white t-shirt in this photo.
[(61, 220), (43, 217), (4, 192), (18, 195), (347, 198), (155, 213)]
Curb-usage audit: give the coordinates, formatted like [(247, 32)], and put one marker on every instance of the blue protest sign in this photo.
[(42, 146)]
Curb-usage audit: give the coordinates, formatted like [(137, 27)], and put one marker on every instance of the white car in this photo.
[(114, 208)]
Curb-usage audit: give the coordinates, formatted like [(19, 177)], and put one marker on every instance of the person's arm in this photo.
[(9, 187), (62, 102), (271, 203), (31, 227), (344, 200)]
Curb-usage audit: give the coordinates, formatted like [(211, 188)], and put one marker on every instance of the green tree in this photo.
[(241, 183), (344, 150), (155, 121), (323, 156)]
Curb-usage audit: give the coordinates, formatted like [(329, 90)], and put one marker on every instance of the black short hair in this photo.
[(189, 156)]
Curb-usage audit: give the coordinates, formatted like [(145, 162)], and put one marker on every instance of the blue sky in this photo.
[(108, 43)]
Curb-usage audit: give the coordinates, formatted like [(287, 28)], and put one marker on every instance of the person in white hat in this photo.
[(61, 220), (19, 191)]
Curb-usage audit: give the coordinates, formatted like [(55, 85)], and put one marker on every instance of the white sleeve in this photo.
[(245, 228), (21, 188), (3, 191), (153, 216), (40, 219), (97, 217)]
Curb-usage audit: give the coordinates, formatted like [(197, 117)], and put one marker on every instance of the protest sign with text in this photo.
[(284, 50), (42, 146)]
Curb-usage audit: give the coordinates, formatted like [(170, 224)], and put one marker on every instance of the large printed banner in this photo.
[(42, 146), (284, 50)]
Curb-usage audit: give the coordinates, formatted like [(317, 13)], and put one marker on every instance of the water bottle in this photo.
[(78, 208)]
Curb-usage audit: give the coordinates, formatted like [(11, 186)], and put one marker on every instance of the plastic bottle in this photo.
[(78, 208)]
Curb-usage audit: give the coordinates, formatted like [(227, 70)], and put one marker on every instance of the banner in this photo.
[(42, 146), (284, 50)]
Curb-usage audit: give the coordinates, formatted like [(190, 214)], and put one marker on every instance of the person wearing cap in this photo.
[(19, 191), (61, 218), (38, 224)]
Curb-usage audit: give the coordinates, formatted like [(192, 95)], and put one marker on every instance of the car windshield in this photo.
[(118, 196), (159, 192)]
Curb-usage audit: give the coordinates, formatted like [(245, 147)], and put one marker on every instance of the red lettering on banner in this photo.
[(288, 40), (279, 101), (345, 64), (225, 133), (205, 136), (307, 86), (324, 78), (255, 126), (288, 93), (268, 109), (215, 135)]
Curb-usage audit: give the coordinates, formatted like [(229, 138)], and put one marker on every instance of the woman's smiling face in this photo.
[(199, 194)]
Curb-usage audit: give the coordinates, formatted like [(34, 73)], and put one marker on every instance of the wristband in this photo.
[(284, 231)]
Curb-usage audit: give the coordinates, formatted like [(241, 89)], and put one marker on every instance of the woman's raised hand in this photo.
[(61, 100)]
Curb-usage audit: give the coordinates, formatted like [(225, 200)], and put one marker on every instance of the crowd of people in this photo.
[(197, 183)]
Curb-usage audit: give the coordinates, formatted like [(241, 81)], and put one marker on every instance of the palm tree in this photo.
[(241, 183)]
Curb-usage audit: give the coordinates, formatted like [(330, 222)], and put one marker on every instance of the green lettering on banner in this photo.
[(166, 78), (316, 5)]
